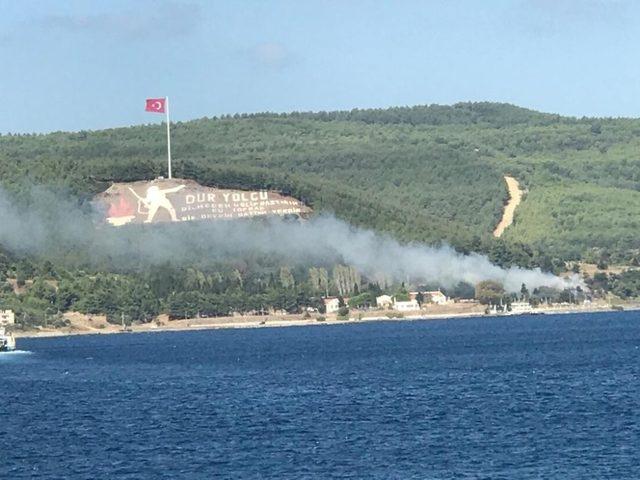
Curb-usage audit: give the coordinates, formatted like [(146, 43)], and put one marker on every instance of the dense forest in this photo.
[(432, 174)]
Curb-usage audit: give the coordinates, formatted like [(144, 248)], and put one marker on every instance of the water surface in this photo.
[(520, 397)]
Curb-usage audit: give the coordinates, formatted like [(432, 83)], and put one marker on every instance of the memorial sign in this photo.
[(178, 200)]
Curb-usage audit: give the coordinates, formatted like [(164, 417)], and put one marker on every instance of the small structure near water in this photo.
[(332, 304), (430, 296), (412, 304), (406, 306), (521, 308), (7, 341), (384, 301), (7, 317)]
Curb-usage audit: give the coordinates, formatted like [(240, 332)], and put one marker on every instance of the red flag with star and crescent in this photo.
[(155, 105)]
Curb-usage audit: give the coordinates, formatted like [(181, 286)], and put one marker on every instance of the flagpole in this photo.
[(168, 137)]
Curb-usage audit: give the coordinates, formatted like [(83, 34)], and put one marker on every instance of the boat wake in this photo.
[(14, 354)]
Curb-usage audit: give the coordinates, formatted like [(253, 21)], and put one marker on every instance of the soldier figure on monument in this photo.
[(156, 198)]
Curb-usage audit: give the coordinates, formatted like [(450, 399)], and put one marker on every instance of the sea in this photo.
[(523, 397)]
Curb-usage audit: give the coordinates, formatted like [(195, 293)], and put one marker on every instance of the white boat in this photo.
[(7, 341)]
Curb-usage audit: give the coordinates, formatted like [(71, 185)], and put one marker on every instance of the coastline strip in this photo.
[(275, 322)]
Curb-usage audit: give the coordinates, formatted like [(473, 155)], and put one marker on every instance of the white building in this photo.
[(435, 296), (521, 307), (384, 301), (410, 306), (331, 304), (7, 317)]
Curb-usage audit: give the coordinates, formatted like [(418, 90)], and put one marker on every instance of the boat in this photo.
[(7, 341)]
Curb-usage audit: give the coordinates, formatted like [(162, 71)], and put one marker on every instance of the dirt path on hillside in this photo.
[(515, 196)]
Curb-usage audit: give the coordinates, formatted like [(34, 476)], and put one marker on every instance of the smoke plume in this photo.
[(56, 227)]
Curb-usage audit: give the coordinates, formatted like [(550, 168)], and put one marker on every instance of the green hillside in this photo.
[(429, 173)]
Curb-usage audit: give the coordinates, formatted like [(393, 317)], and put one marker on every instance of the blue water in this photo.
[(512, 398)]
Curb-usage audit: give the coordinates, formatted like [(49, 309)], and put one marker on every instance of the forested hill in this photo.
[(429, 173)]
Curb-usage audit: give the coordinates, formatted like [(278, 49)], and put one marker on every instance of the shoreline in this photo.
[(216, 323)]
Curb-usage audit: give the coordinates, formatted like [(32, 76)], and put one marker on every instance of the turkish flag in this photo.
[(155, 105)]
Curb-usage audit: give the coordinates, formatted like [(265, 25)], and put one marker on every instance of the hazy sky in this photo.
[(76, 65)]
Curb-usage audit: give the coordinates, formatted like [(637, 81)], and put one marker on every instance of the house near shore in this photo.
[(431, 296), (384, 301), (412, 305), (332, 304), (406, 306), (521, 308), (438, 297), (7, 317)]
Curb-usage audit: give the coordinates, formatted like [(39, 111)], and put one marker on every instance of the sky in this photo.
[(90, 64)]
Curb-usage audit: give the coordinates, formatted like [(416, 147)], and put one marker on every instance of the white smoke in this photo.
[(372, 253), (57, 226)]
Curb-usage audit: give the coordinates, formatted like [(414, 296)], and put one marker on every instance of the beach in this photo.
[(97, 325)]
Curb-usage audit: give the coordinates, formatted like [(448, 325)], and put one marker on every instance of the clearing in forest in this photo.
[(515, 196)]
